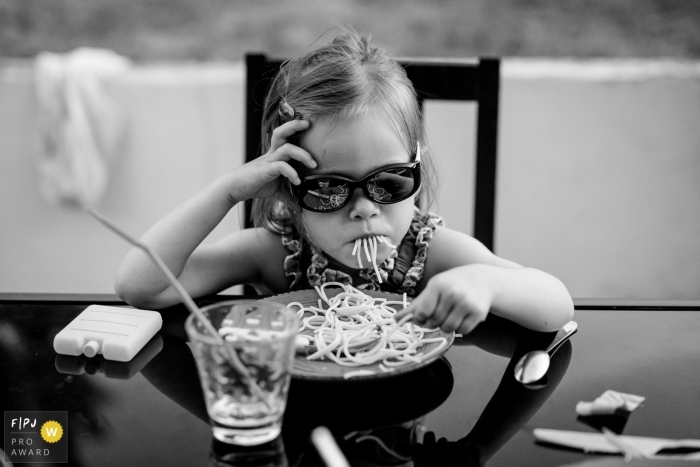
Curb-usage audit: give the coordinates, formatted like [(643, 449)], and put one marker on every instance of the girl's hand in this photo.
[(264, 176), (455, 300)]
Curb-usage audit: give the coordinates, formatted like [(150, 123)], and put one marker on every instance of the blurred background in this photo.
[(226, 29), (599, 149)]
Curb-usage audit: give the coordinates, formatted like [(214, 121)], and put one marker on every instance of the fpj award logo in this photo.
[(36, 437)]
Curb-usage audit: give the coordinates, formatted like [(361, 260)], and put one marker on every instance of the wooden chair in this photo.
[(451, 80)]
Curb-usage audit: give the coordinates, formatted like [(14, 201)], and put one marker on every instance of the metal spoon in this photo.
[(534, 365)]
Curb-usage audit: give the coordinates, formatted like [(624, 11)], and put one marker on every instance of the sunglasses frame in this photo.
[(298, 192)]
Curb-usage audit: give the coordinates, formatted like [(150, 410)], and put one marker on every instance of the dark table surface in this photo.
[(465, 409)]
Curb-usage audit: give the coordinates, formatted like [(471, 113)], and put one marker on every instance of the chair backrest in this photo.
[(451, 80)]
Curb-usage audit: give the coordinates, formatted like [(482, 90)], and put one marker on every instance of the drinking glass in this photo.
[(245, 377)]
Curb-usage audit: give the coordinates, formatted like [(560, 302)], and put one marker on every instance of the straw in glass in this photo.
[(186, 299)]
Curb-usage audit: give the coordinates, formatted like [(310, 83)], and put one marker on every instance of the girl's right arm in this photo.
[(177, 237)]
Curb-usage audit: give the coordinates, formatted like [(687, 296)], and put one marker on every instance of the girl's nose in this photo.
[(362, 207)]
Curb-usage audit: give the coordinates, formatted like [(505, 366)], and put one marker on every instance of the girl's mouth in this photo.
[(365, 237), (367, 246)]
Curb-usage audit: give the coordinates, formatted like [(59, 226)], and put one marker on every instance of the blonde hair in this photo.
[(345, 78)]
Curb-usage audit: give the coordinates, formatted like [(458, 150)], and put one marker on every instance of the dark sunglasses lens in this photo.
[(392, 185), (324, 194)]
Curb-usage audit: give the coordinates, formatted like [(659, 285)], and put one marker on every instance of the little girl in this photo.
[(345, 172)]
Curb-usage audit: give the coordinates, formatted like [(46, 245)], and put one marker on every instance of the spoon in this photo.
[(534, 365)]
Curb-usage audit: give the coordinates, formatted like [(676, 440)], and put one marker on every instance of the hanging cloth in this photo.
[(79, 126)]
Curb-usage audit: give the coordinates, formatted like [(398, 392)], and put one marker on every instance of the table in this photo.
[(465, 409)]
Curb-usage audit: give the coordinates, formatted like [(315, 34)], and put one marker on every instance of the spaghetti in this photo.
[(355, 330), (369, 245)]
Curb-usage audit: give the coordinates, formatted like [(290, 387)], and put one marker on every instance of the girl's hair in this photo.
[(345, 78)]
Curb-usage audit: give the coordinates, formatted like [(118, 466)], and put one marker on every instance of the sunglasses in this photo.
[(386, 185)]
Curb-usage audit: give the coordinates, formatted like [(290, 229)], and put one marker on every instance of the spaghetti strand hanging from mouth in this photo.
[(370, 245)]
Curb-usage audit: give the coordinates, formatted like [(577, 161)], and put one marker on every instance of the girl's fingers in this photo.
[(415, 308), (281, 168), (469, 324), (453, 320), (289, 151), (404, 312), (432, 309), (425, 308), (440, 313), (281, 134)]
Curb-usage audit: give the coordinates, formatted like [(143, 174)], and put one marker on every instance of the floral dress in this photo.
[(400, 272)]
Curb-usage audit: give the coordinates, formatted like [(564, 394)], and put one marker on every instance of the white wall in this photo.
[(599, 178), (185, 127), (597, 173)]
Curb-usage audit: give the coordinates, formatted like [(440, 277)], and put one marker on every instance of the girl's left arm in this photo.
[(463, 282)]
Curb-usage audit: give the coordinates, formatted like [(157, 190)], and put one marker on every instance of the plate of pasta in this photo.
[(349, 333)]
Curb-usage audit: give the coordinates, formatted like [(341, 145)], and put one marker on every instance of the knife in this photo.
[(630, 450), (653, 448)]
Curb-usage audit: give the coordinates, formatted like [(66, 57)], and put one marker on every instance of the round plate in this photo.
[(328, 369)]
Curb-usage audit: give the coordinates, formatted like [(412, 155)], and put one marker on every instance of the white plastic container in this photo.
[(116, 333)]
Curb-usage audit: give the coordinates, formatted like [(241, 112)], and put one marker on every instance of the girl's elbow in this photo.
[(564, 314), (555, 317), (570, 312), (133, 295), (124, 285), (563, 307), (568, 307), (127, 293)]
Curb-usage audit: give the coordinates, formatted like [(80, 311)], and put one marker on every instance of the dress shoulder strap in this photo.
[(413, 251)]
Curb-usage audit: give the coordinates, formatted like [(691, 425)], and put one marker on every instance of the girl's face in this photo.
[(353, 147)]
